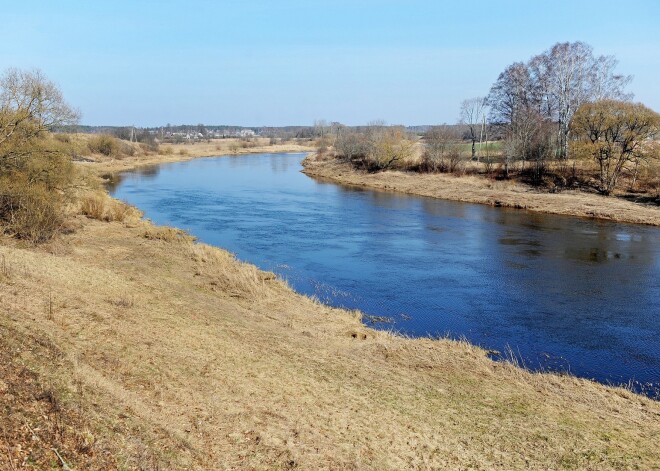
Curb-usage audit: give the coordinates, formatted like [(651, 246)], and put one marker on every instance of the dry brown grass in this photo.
[(180, 357), (478, 189), (246, 281), (33, 422), (166, 234), (98, 205)]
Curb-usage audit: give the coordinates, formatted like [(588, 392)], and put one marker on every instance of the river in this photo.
[(559, 293)]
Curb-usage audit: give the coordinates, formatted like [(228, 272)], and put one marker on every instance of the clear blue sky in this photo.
[(284, 62)]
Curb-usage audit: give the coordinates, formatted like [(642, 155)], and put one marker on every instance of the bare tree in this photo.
[(320, 128), (441, 150), (569, 71), (571, 75), (336, 129), (516, 101), (472, 116), (531, 140), (351, 146), (35, 171), (511, 94), (555, 84), (605, 84), (30, 104)]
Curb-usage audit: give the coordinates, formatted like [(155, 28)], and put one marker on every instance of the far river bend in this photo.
[(565, 294)]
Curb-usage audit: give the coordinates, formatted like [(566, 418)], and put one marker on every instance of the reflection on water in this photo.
[(148, 171), (565, 293), (113, 180)]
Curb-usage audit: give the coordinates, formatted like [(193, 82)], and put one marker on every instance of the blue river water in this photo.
[(560, 293)]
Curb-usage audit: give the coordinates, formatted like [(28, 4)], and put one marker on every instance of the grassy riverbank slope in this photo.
[(479, 189), (129, 346)]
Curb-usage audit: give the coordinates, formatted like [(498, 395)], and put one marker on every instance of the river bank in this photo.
[(126, 345), (474, 189), (168, 153)]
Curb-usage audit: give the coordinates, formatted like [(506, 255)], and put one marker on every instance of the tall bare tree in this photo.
[(555, 84), (605, 84), (320, 128), (472, 116), (572, 75), (515, 103), (511, 94)]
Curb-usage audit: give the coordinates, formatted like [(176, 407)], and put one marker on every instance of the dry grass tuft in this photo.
[(5, 267), (123, 302), (93, 206), (166, 234), (226, 274), (103, 208)]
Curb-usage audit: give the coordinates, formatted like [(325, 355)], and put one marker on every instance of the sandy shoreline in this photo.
[(473, 189)]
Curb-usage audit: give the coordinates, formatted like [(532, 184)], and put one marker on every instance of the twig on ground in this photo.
[(64, 465)]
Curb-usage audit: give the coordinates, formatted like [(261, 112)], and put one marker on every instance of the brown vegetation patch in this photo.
[(38, 430), (100, 206), (182, 357), (483, 190)]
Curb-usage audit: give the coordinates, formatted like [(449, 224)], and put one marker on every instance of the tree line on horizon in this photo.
[(563, 106)]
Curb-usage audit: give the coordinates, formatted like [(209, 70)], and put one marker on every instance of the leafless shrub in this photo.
[(104, 145), (30, 211), (351, 146), (149, 147), (441, 153), (126, 148), (377, 148)]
